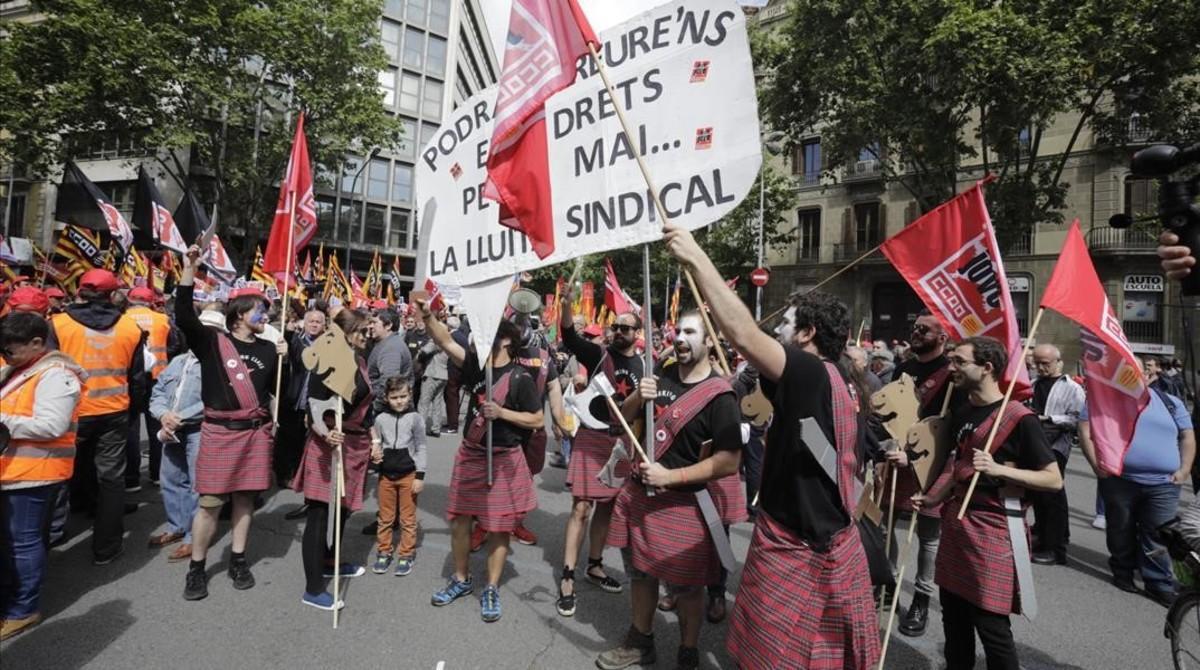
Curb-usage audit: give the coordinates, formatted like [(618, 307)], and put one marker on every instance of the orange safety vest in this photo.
[(27, 460), (106, 356), (157, 327)]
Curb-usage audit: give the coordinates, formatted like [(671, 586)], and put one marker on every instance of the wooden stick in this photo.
[(823, 282), (887, 543), (637, 446), (337, 517), (899, 582), (1000, 412), (287, 276), (946, 400), (878, 496), (861, 327)]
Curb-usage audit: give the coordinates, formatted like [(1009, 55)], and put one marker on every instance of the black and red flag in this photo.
[(151, 216), (82, 203)]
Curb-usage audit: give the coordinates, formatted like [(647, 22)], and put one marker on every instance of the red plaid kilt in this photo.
[(729, 495), (906, 487), (589, 453), (314, 477), (666, 534), (797, 608), (233, 460), (975, 558), (501, 507)]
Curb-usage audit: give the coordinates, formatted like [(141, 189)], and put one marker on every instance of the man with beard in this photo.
[(982, 563), (668, 537), (591, 449), (805, 598)]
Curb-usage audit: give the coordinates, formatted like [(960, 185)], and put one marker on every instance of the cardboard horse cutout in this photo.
[(928, 444), (756, 407), (897, 406)]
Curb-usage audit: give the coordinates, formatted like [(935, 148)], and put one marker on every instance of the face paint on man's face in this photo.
[(786, 331), (691, 339)]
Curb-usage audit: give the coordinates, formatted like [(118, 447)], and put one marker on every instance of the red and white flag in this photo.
[(615, 298), (1116, 389), (950, 258), (435, 301), (297, 187), (545, 38)]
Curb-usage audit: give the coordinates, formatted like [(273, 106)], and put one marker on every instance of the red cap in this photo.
[(593, 330), (55, 292), (29, 299), (20, 278), (99, 280), (250, 291), (379, 304), (143, 294)]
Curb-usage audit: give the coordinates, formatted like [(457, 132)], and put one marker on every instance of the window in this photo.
[(410, 92), (414, 48), (387, 87), (398, 233), (431, 105), (374, 225), (16, 214), (439, 15), (349, 168), (428, 130), (394, 7), (377, 179), (416, 11), (326, 211), (1019, 288), (435, 60), (121, 194), (349, 216), (808, 235), (408, 141), (868, 230), (869, 152), (1023, 137), (402, 181), (806, 161), (389, 34), (1141, 196)]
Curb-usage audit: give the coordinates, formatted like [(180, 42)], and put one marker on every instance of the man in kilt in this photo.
[(237, 376), (976, 563), (805, 598), (515, 410), (667, 536), (591, 449)]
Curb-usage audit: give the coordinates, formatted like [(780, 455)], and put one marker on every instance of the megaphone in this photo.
[(524, 301)]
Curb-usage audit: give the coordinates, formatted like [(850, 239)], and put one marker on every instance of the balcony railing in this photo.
[(851, 251), (1139, 131), (1117, 240), (867, 170), (1022, 246)]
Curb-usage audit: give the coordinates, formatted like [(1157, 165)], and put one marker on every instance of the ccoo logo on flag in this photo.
[(966, 288)]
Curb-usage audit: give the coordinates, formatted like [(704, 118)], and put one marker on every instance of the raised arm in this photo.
[(440, 335)]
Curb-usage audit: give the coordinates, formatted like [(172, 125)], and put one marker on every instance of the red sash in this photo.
[(684, 409), (928, 389), (845, 428), (964, 468), (237, 375), (477, 431)]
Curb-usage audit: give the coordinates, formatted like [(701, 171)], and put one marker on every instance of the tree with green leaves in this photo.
[(217, 83), (929, 86)]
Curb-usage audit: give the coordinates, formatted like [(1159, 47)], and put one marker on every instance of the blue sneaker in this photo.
[(404, 566), (382, 561), (453, 591), (321, 601), (489, 604), (347, 570)]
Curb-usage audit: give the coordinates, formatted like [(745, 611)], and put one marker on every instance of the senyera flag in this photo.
[(950, 258), (292, 231), (1116, 389), (150, 214), (545, 38)]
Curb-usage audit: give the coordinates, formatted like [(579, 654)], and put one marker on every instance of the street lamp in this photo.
[(353, 193), (773, 144)]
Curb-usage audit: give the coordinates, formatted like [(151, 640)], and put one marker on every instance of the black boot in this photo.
[(917, 618)]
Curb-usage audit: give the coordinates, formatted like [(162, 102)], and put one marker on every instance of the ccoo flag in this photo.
[(950, 258), (545, 38), (1116, 390), (82, 203), (615, 298), (192, 221), (290, 233), (150, 214)]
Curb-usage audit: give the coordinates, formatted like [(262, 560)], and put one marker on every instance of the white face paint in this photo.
[(786, 330), (691, 336)]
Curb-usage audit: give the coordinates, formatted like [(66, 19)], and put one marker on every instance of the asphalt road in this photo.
[(131, 613)]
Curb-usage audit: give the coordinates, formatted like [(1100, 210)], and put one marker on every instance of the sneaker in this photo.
[(321, 601), (382, 561), (13, 627), (453, 590), (105, 560), (239, 572), (688, 658), (404, 567), (195, 584), (478, 538), (566, 602), (133, 488), (636, 649), (346, 570), (1125, 584), (524, 535), (1100, 523), (489, 604)]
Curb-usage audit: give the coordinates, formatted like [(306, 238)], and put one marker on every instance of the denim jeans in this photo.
[(929, 535), (177, 475), (25, 517), (1133, 511)]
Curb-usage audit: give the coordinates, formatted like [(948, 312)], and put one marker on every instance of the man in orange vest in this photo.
[(157, 327), (109, 346), (39, 404)]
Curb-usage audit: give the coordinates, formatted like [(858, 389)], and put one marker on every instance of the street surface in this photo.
[(131, 613)]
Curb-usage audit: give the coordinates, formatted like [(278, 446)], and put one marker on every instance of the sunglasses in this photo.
[(921, 329), (621, 328)]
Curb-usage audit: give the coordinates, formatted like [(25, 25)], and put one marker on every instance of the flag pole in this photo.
[(823, 282), (487, 372), (283, 318), (648, 338), (662, 212), (1004, 405), (339, 492)]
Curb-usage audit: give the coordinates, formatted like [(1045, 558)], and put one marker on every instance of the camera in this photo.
[(1178, 210)]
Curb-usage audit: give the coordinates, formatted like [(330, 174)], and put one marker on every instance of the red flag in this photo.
[(297, 188), (358, 296), (950, 258), (614, 298), (545, 38), (435, 302), (1116, 389)]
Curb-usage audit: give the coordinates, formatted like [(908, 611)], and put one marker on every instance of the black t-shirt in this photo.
[(259, 356), (920, 372), (719, 422), (522, 397), (627, 369), (1041, 393), (532, 362), (1026, 445), (795, 491)]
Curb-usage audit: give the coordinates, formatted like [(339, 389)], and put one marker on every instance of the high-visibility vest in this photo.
[(26, 460), (106, 356), (157, 327)]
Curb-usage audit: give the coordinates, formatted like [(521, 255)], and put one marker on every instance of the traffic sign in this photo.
[(759, 277)]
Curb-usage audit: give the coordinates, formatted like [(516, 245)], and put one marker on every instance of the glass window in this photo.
[(389, 34), (428, 130), (402, 180), (349, 168), (1141, 196), (414, 48), (387, 87), (431, 105), (398, 233), (435, 61), (394, 7), (806, 161), (439, 15), (808, 232), (416, 11), (326, 207), (410, 92), (1018, 288), (408, 142), (869, 227), (374, 225), (348, 218), (16, 214), (121, 194), (377, 179)]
